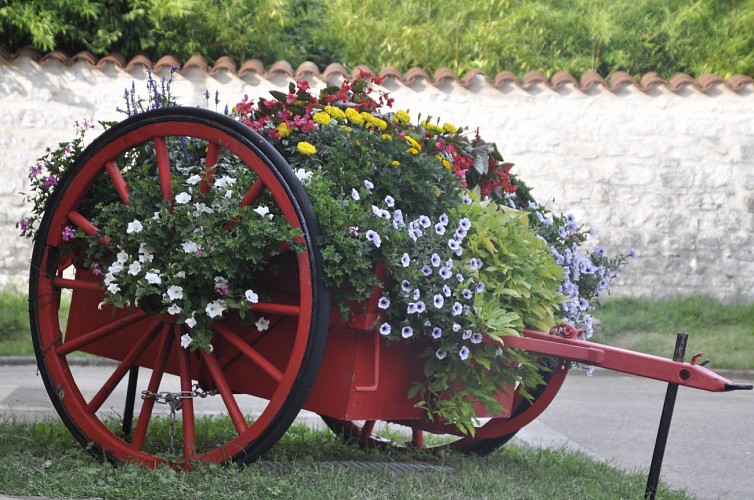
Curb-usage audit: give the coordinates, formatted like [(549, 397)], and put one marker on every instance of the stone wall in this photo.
[(667, 170)]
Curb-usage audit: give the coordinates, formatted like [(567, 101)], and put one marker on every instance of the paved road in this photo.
[(612, 417)]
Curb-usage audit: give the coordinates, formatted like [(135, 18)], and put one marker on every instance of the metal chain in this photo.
[(175, 401)]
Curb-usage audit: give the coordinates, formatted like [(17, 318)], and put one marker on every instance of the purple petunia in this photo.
[(374, 238), (463, 353), (383, 303), (385, 329), (426, 270), (436, 332), (445, 273), (456, 309), (407, 332), (438, 301)]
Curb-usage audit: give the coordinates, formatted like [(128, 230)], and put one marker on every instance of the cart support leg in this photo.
[(664, 429), (128, 412)]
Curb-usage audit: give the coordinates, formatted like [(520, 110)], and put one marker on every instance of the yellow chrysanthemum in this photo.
[(345, 128), (336, 113), (401, 117), (395, 163), (387, 137), (354, 117), (379, 123), (413, 151), (413, 143), (305, 148), (449, 128), (367, 117), (431, 127), (321, 118), (284, 129), (446, 164)]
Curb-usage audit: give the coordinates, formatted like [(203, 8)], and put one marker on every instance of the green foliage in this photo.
[(636, 36)]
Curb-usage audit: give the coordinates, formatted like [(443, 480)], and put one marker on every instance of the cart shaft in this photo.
[(623, 360)]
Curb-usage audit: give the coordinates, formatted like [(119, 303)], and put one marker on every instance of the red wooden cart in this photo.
[(308, 358)]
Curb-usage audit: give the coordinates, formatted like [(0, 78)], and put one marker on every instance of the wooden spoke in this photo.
[(102, 332), (109, 386), (147, 406), (187, 408), (118, 181), (279, 309), (253, 193), (252, 354), (210, 161), (163, 168), (87, 226), (225, 392)]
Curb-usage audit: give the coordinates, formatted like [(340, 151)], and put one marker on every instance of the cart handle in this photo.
[(623, 360)]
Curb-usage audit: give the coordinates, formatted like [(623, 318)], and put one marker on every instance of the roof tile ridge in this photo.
[(445, 73), (114, 58), (196, 61), (251, 65), (333, 70), (138, 60), (391, 72), (168, 61), (562, 77), (85, 56), (359, 69), (307, 68), (620, 78), (471, 75), (649, 80), (738, 82), (532, 78), (414, 73), (709, 80), (591, 78), (506, 76), (223, 63), (281, 66), (679, 80), (57, 55), (27, 51)]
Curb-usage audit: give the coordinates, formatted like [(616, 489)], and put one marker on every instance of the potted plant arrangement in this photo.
[(420, 212)]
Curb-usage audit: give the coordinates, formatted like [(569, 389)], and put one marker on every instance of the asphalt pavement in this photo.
[(611, 417)]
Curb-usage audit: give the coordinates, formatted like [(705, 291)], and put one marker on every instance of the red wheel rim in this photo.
[(161, 336)]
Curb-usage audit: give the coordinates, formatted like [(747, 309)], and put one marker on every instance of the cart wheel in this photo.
[(176, 420), (490, 435)]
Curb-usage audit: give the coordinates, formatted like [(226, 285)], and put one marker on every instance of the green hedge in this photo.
[(637, 36)]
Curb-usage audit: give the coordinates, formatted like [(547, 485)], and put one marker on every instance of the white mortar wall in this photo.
[(670, 174)]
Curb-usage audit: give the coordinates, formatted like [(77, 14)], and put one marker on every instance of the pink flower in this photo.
[(68, 233)]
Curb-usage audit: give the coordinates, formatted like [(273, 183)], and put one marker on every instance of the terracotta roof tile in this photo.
[(115, 59), (282, 67), (254, 65), (472, 80), (166, 62), (198, 62), (224, 63), (620, 78), (139, 60), (561, 78), (58, 56), (306, 70)]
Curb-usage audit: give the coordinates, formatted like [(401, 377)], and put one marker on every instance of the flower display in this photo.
[(469, 255)]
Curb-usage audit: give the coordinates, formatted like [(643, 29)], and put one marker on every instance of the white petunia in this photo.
[(262, 324), (190, 247), (174, 309), (251, 296), (191, 322), (113, 288), (224, 181), (193, 180), (186, 340), (182, 198), (215, 308), (302, 175), (355, 195), (262, 210), (153, 277), (122, 257), (134, 227), (175, 292), (134, 268)]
